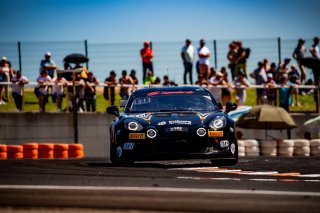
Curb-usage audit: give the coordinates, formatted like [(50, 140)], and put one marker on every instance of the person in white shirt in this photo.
[(314, 50), (58, 89), (18, 81), (204, 54), (187, 55), (43, 80)]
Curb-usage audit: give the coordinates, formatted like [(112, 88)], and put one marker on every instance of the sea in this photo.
[(104, 57)]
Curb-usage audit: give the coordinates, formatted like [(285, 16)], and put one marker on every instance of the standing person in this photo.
[(43, 81), (187, 55), (48, 64), (125, 81), (314, 50), (111, 81), (294, 79), (232, 54), (240, 84), (58, 89), (299, 53), (285, 92), (215, 82), (147, 57), (260, 77), (90, 93), (6, 73), (204, 54), (18, 81), (271, 89), (241, 58)]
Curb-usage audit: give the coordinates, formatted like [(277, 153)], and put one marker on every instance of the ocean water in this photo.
[(104, 57)]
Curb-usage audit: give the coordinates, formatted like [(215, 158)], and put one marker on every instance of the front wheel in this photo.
[(232, 160), (116, 155)]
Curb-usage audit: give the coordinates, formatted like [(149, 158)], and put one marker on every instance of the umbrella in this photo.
[(76, 58), (266, 117)]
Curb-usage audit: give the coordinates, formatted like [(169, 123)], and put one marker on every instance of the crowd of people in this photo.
[(268, 76)]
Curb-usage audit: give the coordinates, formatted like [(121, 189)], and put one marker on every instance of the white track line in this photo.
[(160, 189)]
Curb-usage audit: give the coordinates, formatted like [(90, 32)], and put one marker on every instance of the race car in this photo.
[(170, 123)]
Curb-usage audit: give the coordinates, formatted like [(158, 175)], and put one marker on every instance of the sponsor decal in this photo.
[(128, 146), (215, 133), (137, 136), (233, 148), (224, 143), (180, 122), (177, 129), (162, 123), (142, 115), (119, 151), (203, 116)]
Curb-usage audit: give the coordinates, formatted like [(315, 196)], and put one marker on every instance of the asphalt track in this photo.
[(256, 184)]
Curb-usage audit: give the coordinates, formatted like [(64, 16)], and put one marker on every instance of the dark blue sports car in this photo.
[(163, 123)]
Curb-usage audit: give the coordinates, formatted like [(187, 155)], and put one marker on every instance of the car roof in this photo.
[(178, 88)]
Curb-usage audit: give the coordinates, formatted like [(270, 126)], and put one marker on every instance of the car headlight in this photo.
[(133, 125), (218, 123)]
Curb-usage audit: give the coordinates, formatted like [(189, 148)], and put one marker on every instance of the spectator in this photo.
[(204, 54), (18, 82), (6, 73), (134, 77), (273, 70), (299, 53), (79, 96), (90, 93), (167, 82), (157, 81), (187, 55), (271, 89), (147, 57), (241, 59), (294, 79), (232, 54), (260, 77), (285, 92), (125, 81), (42, 92), (215, 82), (266, 64), (150, 78), (240, 84), (58, 89), (314, 50), (111, 81), (48, 65), (84, 72), (225, 92)]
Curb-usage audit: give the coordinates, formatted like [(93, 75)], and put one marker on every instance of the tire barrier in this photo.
[(241, 148), (30, 150), (3, 151), (252, 148), (268, 148), (60, 150), (76, 151), (14, 151), (301, 147), (46, 150), (315, 147), (285, 148)]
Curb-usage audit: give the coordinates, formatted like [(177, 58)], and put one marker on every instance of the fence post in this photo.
[(215, 54), (19, 52), (86, 51), (279, 49)]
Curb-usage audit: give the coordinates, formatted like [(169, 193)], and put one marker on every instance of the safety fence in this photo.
[(311, 93), (42, 151)]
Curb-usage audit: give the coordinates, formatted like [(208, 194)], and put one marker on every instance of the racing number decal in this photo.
[(137, 136), (215, 133)]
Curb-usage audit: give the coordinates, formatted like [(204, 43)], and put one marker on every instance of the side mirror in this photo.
[(220, 105), (230, 106), (113, 110), (123, 103)]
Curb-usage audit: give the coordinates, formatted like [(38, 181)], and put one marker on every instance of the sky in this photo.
[(121, 21)]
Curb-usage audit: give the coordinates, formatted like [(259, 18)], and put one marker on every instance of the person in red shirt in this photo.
[(147, 56)]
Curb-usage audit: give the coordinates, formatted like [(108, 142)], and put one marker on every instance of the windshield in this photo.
[(166, 102)]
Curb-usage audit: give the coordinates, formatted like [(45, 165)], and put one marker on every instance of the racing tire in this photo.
[(285, 143)]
